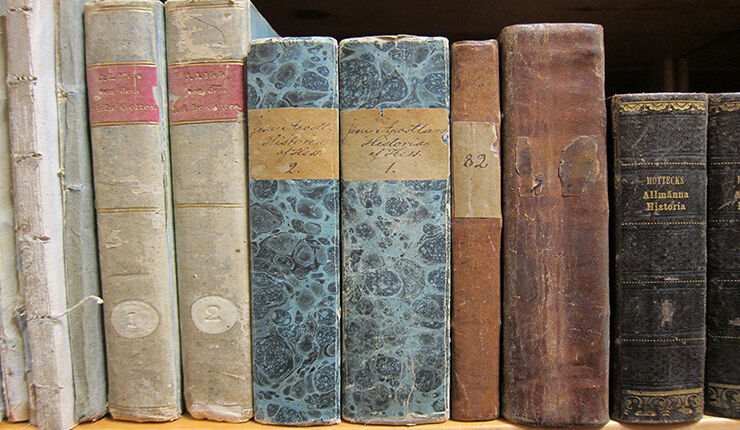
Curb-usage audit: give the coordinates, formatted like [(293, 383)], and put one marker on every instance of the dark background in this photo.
[(651, 45)]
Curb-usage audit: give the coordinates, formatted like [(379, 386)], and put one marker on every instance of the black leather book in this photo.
[(659, 258), (723, 265)]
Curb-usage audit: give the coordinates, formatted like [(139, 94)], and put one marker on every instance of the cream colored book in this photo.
[(80, 239), (37, 204), (127, 103), (207, 42), (12, 359)]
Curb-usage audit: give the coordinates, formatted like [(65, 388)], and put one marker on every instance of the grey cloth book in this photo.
[(12, 359), (38, 209), (80, 239), (126, 82), (207, 42)]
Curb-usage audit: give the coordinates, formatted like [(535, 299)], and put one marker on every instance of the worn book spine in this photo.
[(80, 238), (722, 380), (6, 206), (126, 82), (659, 257), (476, 230), (555, 243), (207, 42), (294, 229), (12, 359), (38, 213), (394, 140)]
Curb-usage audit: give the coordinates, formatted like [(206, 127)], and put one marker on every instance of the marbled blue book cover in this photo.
[(395, 233), (294, 229)]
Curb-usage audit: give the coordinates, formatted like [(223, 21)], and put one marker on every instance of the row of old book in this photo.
[(192, 169)]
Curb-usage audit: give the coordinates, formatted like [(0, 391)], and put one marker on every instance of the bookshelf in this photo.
[(651, 45), (187, 423)]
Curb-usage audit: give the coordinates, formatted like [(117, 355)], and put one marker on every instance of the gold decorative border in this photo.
[(208, 205), (231, 5), (663, 105), (120, 8), (723, 396), (123, 63), (727, 106), (146, 209), (225, 62), (662, 404), (122, 122)]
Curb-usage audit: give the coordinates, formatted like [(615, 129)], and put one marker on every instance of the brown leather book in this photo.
[(476, 230), (555, 244)]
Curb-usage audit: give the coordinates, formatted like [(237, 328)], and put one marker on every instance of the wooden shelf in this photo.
[(187, 423)]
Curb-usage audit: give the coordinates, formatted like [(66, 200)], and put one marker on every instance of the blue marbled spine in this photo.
[(395, 248), (294, 236)]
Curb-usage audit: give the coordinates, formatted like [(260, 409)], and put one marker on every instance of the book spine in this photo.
[(206, 46), (126, 83), (394, 140), (37, 202), (659, 257), (555, 243), (80, 238), (722, 381), (2, 399), (294, 229), (12, 360), (476, 230), (258, 26)]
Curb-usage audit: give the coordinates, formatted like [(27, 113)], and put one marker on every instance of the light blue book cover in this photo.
[(294, 229), (394, 110)]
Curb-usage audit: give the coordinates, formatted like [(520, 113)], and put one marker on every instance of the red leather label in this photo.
[(206, 92), (122, 94)]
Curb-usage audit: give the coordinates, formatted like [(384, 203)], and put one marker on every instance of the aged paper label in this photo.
[(476, 170), (206, 92), (122, 93), (293, 143), (395, 144)]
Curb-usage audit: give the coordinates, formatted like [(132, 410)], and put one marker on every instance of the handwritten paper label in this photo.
[(395, 144), (206, 92), (476, 170), (293, 143), (122, 93)]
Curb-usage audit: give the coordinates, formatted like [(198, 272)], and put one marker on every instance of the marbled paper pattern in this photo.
[(294, 235), (395, 243)]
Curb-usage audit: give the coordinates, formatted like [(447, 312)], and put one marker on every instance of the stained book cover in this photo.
[(476, 230), (722, 380), (394, 142), (294, 229), (126, 82), (38, 211), (12, 359), (659, 257), (80, 238), (555, 242), (207, 42)]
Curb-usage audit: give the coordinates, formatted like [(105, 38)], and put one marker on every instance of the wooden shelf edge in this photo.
[(188, 423)]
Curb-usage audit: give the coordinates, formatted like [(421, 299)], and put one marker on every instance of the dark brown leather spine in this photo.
[(476, 240), (555, 241)]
